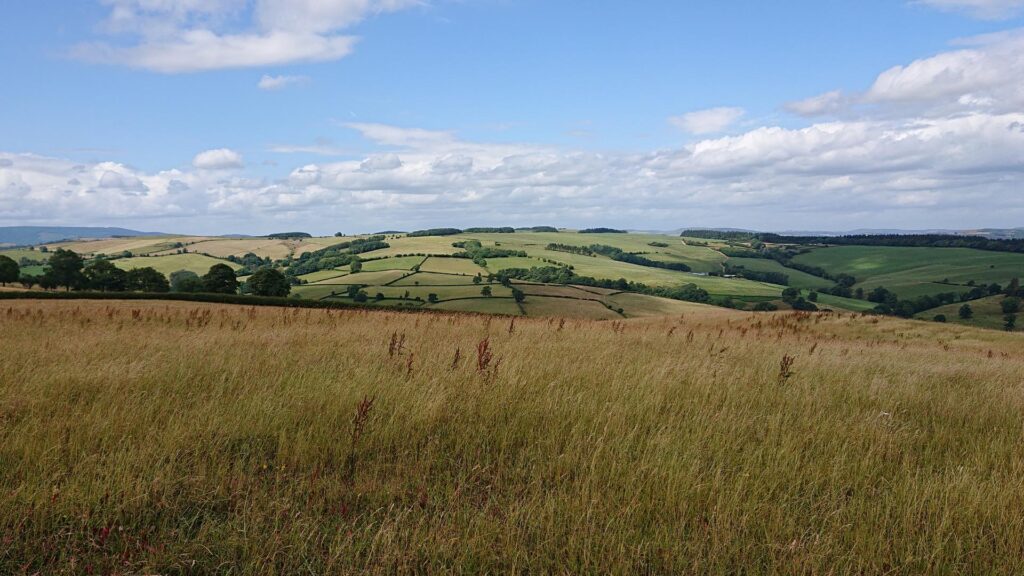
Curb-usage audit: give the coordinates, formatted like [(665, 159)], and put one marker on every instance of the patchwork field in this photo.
[(174, 438), (909, 272)]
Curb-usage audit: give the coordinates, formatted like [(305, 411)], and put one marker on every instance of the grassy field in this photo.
[(135, 245), (368, 278), (403, 263), (163, 438), (17, 254), (322, 275), (452, 266), (911, 272), (541, 306), (988, 313), (433, 279), (197, 263), (496, 265), (797, 279)]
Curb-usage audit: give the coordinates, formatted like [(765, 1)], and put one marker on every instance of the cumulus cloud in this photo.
[(934, 142), (985, 9), (981, 74), (826, 103), (175, 36), (268, 82), (219, 159), (710, 121), (987, 72)]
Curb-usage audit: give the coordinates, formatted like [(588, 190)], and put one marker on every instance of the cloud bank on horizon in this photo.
[(933, 142)]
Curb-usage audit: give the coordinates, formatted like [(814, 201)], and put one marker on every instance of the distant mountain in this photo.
[(29, 235)]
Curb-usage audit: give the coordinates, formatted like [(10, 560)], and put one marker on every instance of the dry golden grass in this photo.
[(149, 437)]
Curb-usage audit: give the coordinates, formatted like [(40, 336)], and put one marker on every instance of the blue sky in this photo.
[(222, 116)]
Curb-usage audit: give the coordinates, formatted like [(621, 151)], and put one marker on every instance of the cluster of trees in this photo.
[(569, 248), (538, 229), (757, 275), (620, 255), (501, 230), (434, 232), (342, 254), (250, 263), (564, 275), (617, 254), (289, 235), (479, 254), (67, 269), (890, 304), (601, 231), (793, 297)]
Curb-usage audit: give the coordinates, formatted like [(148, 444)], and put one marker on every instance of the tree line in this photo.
[(69, 270)]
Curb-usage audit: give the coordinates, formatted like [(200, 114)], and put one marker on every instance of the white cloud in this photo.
[(818, 105), (985, 9), (268, 82), (981, 74), (710, 121), (219, 159), (937, 142), (176, 36)]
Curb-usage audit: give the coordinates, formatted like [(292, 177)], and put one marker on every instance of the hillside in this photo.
[(161, 437), (30, 235), (599, 276)]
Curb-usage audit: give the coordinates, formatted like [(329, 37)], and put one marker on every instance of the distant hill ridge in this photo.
[(28, 235)]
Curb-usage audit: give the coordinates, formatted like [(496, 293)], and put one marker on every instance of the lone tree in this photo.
[(147, 279), (65, 270), (1010, 322), (220, 280), (356, 265), (966, 311), (486, 291), (186, 281), (432, 298), (1010, 305), (9, 270), (102, 275), (269, 282), (518, 294)]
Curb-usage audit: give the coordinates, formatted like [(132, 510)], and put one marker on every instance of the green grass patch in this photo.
[(401, 263), (988, 313), (452, 266), (911, 272), (797, 279), (321, 275), (431, 279)]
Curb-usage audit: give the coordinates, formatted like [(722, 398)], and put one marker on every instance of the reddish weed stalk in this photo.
[(362, 416)]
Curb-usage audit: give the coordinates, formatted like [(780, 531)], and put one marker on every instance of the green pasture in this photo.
[(911, 272)]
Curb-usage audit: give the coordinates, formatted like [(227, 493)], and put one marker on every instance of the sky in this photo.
[(256, 116)]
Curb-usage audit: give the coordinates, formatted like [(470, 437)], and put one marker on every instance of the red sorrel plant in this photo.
[(786, 368), (484, 354), (359, 421), (396, 345)]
